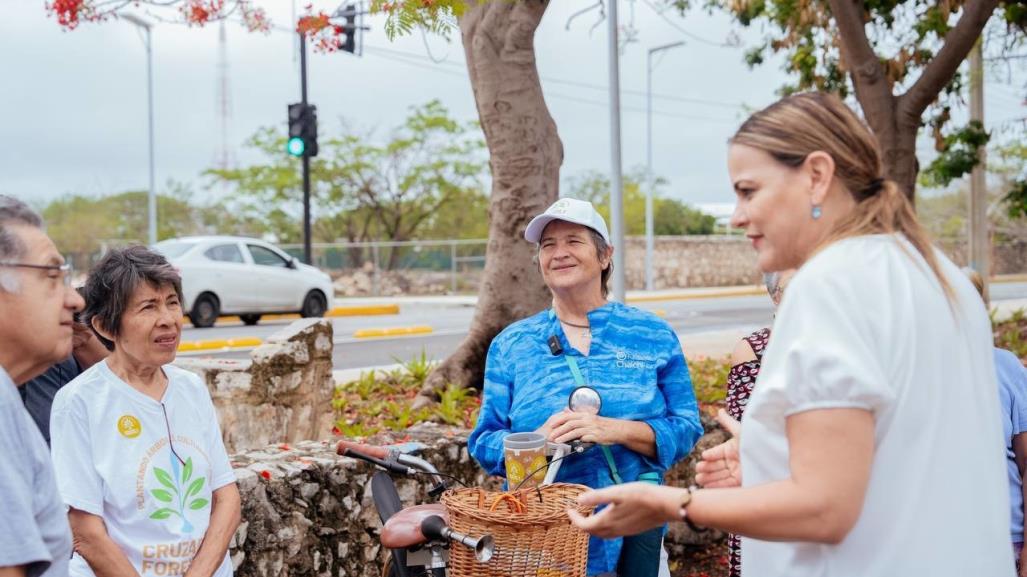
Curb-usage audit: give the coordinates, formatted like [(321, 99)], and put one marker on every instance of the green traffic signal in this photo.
[(295, 146)]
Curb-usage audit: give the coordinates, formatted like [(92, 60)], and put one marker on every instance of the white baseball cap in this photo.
[(571, 210)]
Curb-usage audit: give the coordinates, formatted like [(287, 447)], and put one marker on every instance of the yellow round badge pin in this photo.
[(129, 426)]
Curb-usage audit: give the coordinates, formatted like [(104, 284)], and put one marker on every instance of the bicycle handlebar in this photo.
[(387, 465), (378, 452)]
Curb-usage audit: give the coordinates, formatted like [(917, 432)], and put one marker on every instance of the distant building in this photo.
[(722, 212)]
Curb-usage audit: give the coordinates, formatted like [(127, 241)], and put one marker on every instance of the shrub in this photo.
[(381, 400)]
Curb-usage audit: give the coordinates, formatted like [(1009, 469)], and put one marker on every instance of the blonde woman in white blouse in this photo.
[(872, 443)]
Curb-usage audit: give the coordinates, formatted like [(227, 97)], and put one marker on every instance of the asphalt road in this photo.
[(450, 322)]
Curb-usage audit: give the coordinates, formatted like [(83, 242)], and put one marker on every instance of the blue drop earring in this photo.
[(817, 213)]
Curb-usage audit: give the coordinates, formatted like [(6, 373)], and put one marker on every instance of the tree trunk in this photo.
[(897, 139), (525, 154)]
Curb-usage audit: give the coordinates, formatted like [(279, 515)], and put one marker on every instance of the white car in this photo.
[(230, 275)]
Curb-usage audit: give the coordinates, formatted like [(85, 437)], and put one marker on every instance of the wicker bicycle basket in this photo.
[(533, 538)]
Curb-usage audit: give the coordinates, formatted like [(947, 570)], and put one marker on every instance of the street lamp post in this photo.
[(152, 195), (649, 240), (616, 191)]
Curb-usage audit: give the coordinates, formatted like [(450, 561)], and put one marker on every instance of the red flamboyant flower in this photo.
[(70, 12), (255, 19), (200, 12), (317, 26)]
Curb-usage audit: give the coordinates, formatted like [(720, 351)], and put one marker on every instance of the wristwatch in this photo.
[(683, 511)]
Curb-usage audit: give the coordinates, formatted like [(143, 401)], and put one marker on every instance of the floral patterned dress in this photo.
[(740, 382)]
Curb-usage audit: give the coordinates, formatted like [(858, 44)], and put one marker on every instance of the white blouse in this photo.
[(865, 324)]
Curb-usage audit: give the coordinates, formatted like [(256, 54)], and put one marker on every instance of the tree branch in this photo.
[(940, 70), (872, 87)]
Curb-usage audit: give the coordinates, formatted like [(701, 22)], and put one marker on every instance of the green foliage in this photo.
[(363, 189), (401, 416), (670, 217), (1010, 163), (958, 155), (435, 16), (383, 400), (418, 368), (1016, 200), (709, 378), (1011, 334), (81, 226), (454, 404)]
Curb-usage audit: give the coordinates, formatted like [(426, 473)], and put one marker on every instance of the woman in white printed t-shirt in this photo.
[(872, 443), (136, 446)]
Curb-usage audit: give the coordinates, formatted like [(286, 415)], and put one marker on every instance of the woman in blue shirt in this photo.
[(649, 418)]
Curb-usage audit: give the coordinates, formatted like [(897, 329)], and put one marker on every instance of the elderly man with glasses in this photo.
[(37, 305)]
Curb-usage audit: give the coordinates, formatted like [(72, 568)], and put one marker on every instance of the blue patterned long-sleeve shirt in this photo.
[(636, 364)]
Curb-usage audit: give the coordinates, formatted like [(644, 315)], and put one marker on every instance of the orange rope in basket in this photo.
[(512, 502)]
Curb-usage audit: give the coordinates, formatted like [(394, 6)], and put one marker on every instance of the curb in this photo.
[(733, 292), (392, 332), (1009, 278)]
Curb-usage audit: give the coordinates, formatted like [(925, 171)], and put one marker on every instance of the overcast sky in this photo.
[(73, 104)]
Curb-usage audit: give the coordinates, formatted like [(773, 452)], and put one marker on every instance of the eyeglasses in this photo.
[(65, 269)]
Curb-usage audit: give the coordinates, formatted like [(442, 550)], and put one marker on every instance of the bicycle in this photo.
[(419, 536)]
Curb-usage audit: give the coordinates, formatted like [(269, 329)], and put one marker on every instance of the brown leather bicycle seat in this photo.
[(403, 529)]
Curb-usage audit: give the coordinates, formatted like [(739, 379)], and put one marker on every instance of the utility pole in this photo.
[(649, 232), (307, 256), (616, 184), (303, 117), (980, 246)]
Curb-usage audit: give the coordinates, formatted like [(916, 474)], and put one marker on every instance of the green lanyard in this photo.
[(576, 372)]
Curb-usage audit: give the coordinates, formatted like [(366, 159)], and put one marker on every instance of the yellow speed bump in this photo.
[(218, 344), (392, 332), (355, 311)]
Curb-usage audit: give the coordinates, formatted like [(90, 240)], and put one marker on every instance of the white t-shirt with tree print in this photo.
[(148, 468)]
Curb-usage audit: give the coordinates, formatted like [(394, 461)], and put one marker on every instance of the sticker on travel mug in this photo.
[(524, 454)]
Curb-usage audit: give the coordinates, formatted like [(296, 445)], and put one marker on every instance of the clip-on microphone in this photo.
[(554, 346)]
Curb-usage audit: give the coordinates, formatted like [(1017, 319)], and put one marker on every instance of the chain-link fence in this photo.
[(394, 268)]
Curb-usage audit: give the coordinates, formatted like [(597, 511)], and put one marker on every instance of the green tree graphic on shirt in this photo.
[(176, 499)]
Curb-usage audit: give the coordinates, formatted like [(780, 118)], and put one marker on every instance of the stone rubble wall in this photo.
[(308, 512), (707, 261), (679, 262), (282, 394)]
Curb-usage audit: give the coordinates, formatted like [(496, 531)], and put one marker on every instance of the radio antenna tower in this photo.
[(225, 156)]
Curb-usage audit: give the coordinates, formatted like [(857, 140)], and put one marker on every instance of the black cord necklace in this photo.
[(570, 324)]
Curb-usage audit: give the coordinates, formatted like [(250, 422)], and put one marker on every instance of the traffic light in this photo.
[(302, 130), (349, 15)]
